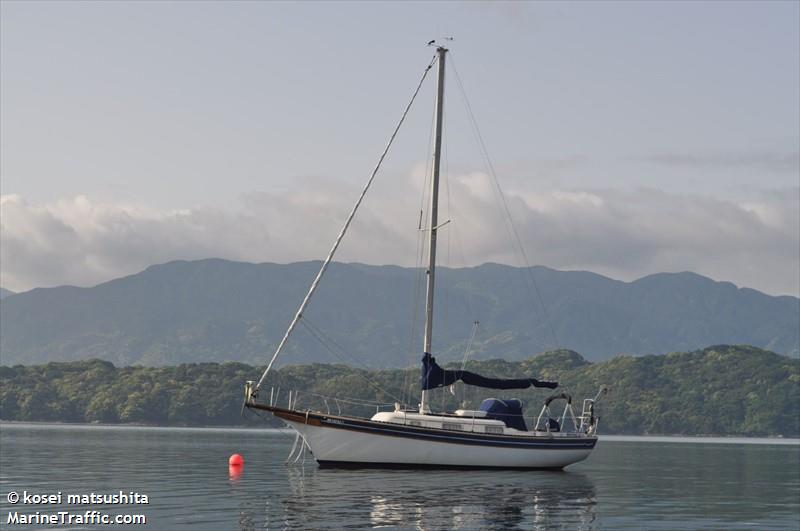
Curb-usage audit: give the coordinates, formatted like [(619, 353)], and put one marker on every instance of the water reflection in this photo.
[(235, 472), (624, 485), (435, 499)]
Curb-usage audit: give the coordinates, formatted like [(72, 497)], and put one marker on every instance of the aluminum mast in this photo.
[(437, 155)]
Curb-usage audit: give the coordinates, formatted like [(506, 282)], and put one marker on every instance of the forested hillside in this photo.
[(721, 390)]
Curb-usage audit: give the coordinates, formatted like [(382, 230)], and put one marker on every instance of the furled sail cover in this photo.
[(434, 376)]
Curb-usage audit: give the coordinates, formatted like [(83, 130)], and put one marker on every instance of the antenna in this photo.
[(432, 42)]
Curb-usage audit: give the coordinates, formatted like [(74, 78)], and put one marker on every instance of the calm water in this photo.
[(629, 483)]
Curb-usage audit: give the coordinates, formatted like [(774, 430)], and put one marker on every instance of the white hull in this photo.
[(338, 446)]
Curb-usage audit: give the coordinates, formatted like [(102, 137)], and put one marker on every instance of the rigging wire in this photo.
[(349, 400), (467, 352), (451, 219), (454, 234), (326, 341), (332, 252), (444, 293), (419, 256), (507, 211), (417, 304)]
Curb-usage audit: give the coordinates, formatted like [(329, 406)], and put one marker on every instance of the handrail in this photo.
[(581, 423)]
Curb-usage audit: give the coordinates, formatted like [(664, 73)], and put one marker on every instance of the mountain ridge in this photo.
[(218, 310)]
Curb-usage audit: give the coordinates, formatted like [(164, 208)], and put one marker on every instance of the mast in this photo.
[(432, 228)]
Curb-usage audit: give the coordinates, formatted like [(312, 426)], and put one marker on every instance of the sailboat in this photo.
[(495, 435)]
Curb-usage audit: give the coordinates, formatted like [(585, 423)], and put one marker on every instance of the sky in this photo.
[(629, 138)]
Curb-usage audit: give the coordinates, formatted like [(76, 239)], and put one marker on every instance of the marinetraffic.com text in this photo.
[(69, 516)]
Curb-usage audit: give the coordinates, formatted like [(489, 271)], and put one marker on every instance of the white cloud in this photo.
[(624, 234)]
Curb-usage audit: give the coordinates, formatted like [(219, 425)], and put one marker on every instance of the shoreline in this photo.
[(132, 426), (705, 439)]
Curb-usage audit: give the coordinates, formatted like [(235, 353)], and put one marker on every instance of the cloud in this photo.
[(81, 242), (764, 161), (622, 233)]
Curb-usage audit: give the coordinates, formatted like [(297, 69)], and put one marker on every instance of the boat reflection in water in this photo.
[(434, 499)]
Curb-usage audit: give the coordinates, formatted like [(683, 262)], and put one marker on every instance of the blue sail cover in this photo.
[(434, 376), (509, 411)]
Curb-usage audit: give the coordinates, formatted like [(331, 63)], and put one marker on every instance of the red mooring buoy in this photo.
[(236, 460)]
